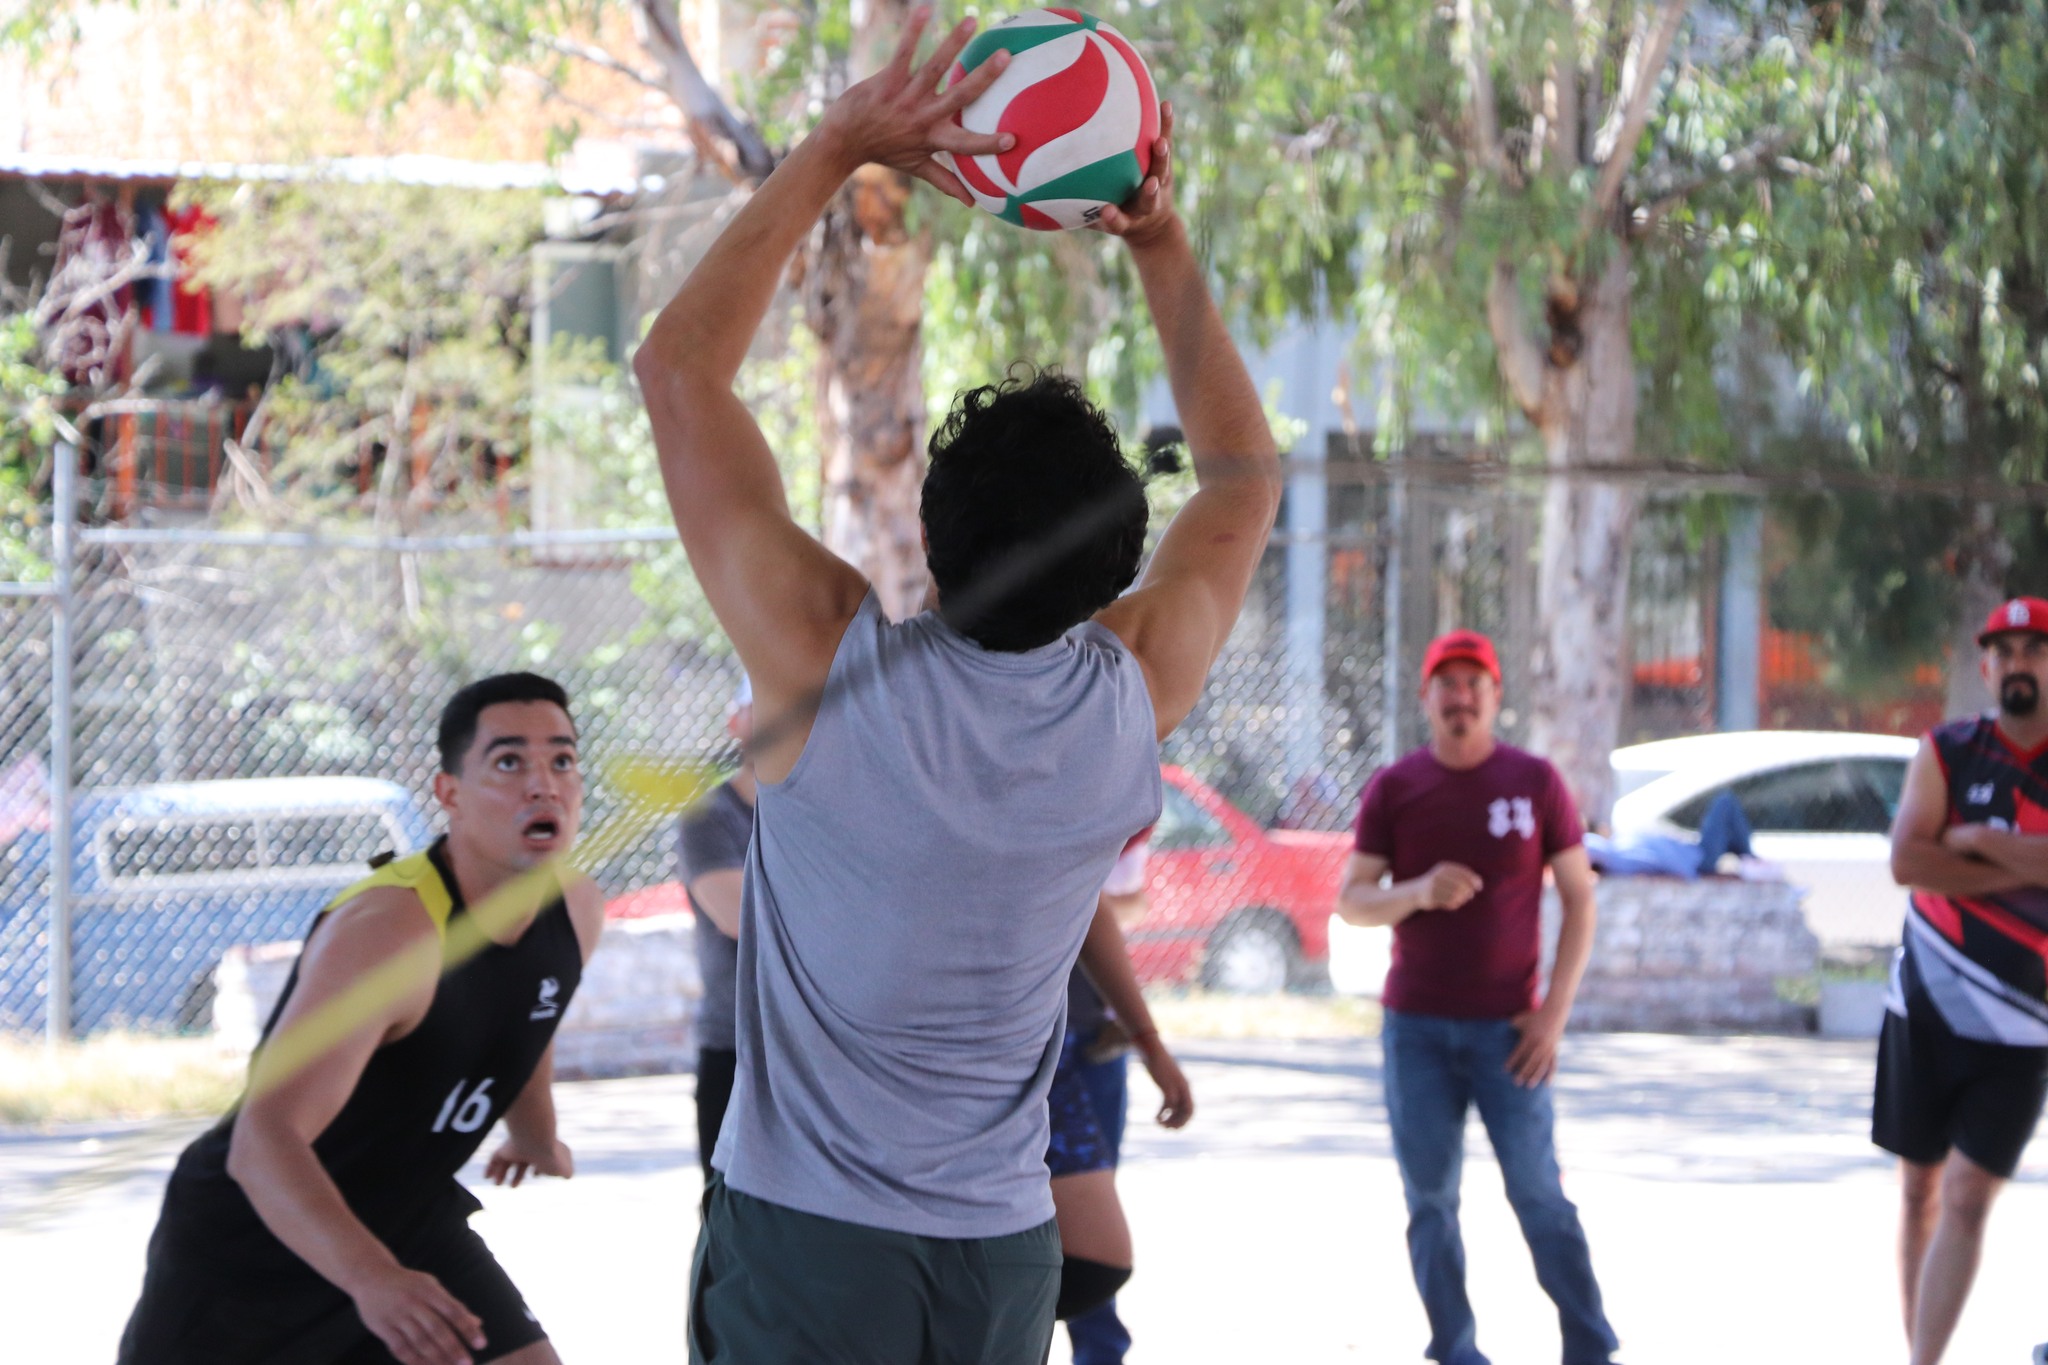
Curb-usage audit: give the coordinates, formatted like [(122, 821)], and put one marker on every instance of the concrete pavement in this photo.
[(1736, 1210)]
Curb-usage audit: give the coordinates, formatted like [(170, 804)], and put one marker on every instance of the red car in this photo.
[(1234, 906)]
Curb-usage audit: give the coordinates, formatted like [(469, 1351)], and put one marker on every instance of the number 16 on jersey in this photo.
[(465, 1115)]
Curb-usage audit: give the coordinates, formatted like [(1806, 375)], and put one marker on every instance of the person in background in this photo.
[(320, 1222), (1089, 1098), (711, 854), (1452, 844), (1962, 1063)]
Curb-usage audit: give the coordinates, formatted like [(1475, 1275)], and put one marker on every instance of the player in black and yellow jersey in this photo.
[(320, 1221)]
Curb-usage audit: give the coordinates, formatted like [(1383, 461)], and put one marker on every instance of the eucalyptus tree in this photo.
[(1548, 215)]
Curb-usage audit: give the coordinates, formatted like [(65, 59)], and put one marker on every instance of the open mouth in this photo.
[(542, 829)]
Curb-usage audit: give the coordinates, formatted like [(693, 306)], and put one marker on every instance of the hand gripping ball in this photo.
[(1081, 104)]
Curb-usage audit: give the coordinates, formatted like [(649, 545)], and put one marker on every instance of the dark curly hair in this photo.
[(1034, 518)]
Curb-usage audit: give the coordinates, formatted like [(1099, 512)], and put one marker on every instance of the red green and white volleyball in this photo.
[(1081, 104)]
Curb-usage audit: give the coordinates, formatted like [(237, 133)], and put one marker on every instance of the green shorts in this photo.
[(772, 1286)]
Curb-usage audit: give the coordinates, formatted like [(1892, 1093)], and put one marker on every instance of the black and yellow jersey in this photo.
[(424, 1102)]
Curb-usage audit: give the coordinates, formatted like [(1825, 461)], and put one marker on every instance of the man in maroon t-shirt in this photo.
[(1452, 843)]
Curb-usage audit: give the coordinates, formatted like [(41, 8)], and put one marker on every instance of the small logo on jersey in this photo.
[(1980, 794), (1517, 816), (547, 1007)]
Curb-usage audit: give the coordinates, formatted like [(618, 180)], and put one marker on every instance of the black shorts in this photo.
[(716, 1068), (1937, 1090), (194, 1311)]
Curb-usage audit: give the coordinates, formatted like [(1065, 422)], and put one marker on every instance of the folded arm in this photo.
[(2024, 857), (1920, 857)]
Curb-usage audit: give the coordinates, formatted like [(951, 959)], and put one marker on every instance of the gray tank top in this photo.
[(916, 893)]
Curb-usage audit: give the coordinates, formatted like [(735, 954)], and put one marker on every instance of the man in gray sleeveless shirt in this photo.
[(940, 799)]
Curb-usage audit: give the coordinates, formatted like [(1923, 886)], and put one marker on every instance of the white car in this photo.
[(1820, 803)]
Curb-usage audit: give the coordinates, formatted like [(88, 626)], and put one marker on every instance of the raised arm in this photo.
[(780, 595), (1920, 858), (1179, 616), (271, 1153)]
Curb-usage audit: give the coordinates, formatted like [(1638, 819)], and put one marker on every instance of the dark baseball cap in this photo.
[(2022, 615), (1469, 646)]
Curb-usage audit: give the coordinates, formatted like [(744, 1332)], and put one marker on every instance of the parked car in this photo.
[(1234, 906), (167, 877), (1821, 804)]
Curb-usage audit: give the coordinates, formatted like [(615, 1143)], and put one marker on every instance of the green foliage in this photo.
[(1917, 312), (407, 310), (1332, 159), (607, 428), (456, 50), (28, 427), (1930, 336)]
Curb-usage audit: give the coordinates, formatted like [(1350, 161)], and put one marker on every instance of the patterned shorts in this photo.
[(1078, 1143)]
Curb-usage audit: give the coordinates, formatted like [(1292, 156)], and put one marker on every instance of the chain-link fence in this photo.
[(253, 717), (239, 720)]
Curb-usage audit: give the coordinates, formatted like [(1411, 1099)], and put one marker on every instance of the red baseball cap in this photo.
[(1469, 646), (2027, 615)]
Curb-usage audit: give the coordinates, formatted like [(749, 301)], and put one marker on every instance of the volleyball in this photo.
[(1081, 104)]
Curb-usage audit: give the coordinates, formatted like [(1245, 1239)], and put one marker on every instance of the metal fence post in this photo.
[(57, 1016), (1392, 586)]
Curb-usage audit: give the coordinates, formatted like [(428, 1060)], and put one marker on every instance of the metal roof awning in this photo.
[(440, 171)]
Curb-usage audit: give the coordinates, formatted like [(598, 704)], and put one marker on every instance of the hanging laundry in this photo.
[(154, 289), (192, 306)]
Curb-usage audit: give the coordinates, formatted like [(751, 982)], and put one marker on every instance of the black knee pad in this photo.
[(1086, 1284)]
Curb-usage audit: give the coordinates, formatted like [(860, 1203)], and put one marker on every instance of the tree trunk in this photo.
[(1579, 674), (1982, 556), (864, 300)]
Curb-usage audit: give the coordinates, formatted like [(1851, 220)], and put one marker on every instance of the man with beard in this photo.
[(1452, 844), (1962, 1066)]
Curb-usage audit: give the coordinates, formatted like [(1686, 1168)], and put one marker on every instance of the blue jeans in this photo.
[(1435, 1069), (1098, 1336)]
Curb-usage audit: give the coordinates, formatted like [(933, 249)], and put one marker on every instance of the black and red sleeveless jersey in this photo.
[(1983, 960), (425, 1102)]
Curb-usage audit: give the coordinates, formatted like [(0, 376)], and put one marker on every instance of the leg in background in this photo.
[(1098, 1336), (1920, 1211), (1521, 1123), (1967, 1193), (1427, 1096)]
